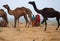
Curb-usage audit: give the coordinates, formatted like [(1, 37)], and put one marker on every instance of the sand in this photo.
[(23, 33)]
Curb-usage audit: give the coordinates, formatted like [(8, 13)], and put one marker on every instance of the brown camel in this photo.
[(18, 12), (3, 23), (3, 15), (47, 13), (29, 12)]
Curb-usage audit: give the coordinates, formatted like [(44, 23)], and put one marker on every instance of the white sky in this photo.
[(39, 3)]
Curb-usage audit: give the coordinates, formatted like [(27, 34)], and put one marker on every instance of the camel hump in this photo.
[(18, 8), (26, 9), (22, 7), (1, 11), (49, 9)]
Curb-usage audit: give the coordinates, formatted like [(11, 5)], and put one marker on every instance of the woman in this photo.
[(33, 21), (37, 20)]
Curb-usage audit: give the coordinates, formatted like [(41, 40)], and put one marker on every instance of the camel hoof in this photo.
[(8, 26), (25, 25), (33, 40), (56, 28), (28, 26), (14, 27), (44, 29)]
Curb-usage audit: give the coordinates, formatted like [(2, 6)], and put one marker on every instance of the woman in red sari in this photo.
[(37, 20)]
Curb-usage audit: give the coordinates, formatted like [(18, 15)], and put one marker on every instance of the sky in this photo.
[(13, 4)]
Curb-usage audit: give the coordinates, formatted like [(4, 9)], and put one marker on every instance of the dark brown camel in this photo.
[(47, 13), (3, 15), (18, 12)]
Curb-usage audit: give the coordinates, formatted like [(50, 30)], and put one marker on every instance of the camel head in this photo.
[(6, 6), (32, 2)]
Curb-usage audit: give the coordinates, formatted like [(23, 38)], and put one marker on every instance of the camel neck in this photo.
[(35, 8), (8, 9)]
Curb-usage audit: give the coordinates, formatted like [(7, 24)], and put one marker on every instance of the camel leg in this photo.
[(5, 19), (58, 23), (25, 16), (42, 21), (45, 24), (18, 22), (15, 22)]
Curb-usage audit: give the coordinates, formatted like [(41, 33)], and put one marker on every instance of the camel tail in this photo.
[(30, 16)]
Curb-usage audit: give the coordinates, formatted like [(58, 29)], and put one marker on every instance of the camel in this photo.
[(47, 13), (3, 23), (17, 13), (4, 16), (29, 12)]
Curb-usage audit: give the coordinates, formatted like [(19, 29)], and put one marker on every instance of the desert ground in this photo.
[(23, 33)]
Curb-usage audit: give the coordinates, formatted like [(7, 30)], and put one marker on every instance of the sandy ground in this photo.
[(23, 33)]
